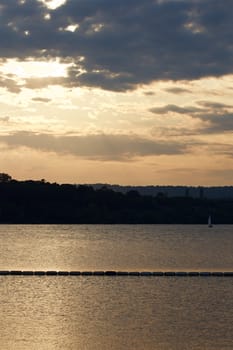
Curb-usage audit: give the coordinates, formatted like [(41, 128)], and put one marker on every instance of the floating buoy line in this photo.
[(119, 273)]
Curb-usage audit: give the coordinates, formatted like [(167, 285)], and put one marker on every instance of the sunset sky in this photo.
[(132, 92)]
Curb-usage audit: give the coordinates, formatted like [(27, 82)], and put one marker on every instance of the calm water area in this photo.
[(102, 313)]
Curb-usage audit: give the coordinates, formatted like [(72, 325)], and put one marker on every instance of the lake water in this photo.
[(102, 313)]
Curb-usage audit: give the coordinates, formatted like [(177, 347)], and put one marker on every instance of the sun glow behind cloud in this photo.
[(32, 68), (53, 4)]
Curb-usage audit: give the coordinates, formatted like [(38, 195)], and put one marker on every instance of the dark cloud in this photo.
[(41, 99), (177, 90), (121, 44), (176, 109), (217, 123), (149, 93), (99, 146), (216, 117), (214, 105)]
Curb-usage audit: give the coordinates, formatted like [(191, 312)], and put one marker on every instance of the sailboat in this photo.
[(209, 221)]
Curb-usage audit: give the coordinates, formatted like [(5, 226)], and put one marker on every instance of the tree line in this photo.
[(41, 202)]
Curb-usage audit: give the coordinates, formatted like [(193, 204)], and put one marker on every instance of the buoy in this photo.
[(217, 274), (181, 274), (39, 273), (16, 272), (87, 273), (158, 273), (51, 273), (145, 273), (122, 273), (98, 273), (205, 274), (193, 274), (169, 273), (134, 273), (228, 274), (4, 273), (27, 273), (110, 273)]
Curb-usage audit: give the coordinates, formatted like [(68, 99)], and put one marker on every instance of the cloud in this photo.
[(98, 146), (175, 109), (40, 83), (219, 117), (41, 99), (4, 120), (149, 93), (216, 117), (177, 90), (10, 84), (119, 45), (214, 105), (207, 107), (217, 123)]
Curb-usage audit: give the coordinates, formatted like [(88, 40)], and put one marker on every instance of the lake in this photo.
[(90, 313)]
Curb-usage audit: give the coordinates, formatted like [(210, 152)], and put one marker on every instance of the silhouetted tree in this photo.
[(42, 202), (5, 177)]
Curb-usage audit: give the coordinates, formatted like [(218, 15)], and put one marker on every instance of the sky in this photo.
[(124, 92)]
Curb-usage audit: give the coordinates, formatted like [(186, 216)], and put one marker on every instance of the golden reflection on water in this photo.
[(116, 247), (99, 313), (103, 313)]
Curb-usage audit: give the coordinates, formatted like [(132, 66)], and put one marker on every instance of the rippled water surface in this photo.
[(90, 313)]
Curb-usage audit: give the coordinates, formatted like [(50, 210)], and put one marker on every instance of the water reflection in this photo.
[(94, 313), (102, 313), (119, 247)]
